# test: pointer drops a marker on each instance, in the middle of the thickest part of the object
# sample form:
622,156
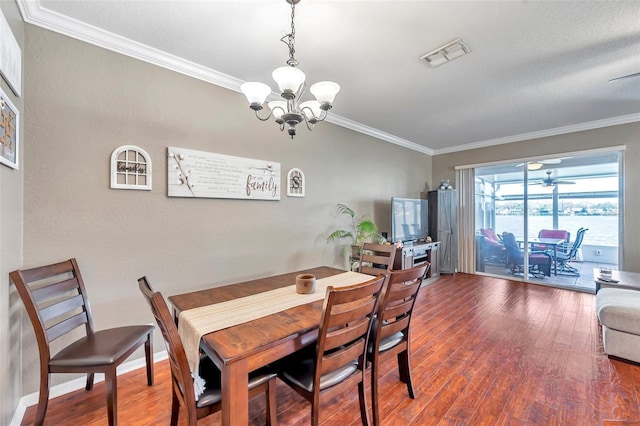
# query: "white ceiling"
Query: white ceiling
536,68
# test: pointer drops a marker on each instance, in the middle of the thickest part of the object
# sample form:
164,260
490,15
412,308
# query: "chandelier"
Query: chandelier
291,82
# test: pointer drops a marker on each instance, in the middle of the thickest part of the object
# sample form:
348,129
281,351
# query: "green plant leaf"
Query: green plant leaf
342,209
339,234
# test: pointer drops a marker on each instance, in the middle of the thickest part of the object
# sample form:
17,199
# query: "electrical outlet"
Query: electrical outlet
598,252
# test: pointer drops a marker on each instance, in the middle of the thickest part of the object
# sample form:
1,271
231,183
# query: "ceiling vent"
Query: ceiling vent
446,53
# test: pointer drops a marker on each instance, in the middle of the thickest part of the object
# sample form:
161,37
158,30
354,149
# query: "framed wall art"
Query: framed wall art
10,57
203,174
9,132
130,168
295,183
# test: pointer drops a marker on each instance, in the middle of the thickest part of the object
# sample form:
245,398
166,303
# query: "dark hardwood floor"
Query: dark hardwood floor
486,351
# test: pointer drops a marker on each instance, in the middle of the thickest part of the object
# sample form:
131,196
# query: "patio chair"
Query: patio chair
563,258
491,247
539,261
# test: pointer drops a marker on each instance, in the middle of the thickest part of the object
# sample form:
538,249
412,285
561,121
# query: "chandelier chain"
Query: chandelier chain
290,39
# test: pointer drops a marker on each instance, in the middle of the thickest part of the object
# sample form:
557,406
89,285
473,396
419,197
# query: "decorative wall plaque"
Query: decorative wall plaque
207,175
130,168
295,183
10,57
9,141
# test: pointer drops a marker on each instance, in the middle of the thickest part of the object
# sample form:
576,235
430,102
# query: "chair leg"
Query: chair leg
404,369
148,351
362,397
90,377
175,408
111,382
272,418
315,414
43,399
374,391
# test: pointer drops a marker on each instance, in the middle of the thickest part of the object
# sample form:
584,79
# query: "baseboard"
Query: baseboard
79,383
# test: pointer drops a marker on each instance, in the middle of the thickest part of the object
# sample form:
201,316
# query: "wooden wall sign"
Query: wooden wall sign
10,57
130,168
207,175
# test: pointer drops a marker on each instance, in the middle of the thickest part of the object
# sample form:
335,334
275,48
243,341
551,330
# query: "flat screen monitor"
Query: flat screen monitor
408,219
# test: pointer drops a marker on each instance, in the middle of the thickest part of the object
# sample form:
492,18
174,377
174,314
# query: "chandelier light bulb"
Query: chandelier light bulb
256,93
325,92
289,79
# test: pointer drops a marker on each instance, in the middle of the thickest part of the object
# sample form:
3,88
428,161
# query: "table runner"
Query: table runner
195,323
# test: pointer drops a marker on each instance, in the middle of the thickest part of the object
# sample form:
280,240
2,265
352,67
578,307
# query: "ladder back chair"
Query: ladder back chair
376,258
390,329
337,362
56,301
183,393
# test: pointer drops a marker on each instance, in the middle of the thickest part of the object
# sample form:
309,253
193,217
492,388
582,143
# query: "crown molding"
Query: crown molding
597,124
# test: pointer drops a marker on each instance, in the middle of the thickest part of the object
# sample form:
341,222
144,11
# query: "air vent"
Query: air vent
446,53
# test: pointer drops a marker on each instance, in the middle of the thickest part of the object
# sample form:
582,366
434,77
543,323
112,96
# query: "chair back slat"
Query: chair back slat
66,326
394,327
354,312
347,355
48,291
62,309
341,336
399,309
47,271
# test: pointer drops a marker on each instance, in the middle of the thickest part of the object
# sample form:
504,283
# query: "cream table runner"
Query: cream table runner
195,323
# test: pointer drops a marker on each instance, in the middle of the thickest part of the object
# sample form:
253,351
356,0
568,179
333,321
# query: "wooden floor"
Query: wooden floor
486,351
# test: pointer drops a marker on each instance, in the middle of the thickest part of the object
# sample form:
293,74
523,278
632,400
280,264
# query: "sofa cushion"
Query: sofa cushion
619,309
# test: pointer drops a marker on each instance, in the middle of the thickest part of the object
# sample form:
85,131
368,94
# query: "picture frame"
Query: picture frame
296,183
9,132
131,168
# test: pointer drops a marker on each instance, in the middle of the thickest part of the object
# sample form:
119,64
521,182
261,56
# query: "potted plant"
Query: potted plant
362,229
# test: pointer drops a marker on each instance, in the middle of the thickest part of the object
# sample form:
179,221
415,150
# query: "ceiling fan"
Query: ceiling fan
549,182
538,164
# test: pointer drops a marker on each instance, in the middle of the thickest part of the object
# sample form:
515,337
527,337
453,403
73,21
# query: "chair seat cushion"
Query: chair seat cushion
213,381
390,341
103,347
300,372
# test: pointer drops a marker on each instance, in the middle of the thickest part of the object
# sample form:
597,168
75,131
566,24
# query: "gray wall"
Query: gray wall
626,134
11,182
82,102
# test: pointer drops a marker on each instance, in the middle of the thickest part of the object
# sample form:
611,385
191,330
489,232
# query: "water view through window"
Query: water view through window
573,198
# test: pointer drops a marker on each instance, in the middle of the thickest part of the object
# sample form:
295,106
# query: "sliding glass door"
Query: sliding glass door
550,220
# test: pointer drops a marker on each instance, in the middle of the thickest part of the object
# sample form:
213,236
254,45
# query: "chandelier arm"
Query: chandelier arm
266,118
310,124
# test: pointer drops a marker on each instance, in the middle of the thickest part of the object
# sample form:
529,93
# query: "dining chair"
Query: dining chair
337,362
183,393
376,258
56,301
390,332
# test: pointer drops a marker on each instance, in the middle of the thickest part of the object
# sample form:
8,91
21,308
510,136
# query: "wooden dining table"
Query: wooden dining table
242,348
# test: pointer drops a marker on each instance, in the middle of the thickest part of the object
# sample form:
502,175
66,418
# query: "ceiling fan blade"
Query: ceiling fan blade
637,74
563,182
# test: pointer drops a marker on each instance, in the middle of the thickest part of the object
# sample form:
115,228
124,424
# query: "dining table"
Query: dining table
241,348
553,243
